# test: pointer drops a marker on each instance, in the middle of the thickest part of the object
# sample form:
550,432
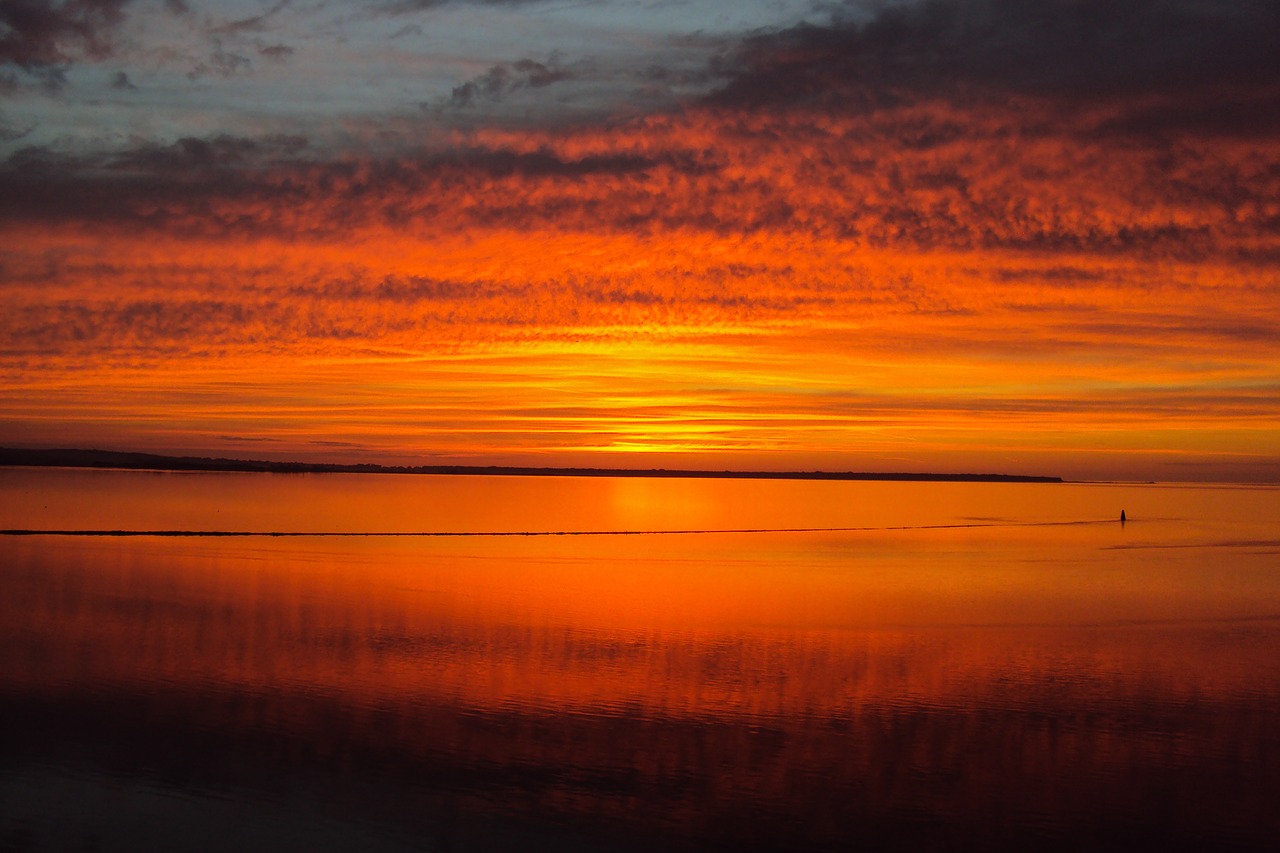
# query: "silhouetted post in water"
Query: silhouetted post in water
1122,516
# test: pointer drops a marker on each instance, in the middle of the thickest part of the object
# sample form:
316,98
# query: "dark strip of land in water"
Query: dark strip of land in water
156,462
429,534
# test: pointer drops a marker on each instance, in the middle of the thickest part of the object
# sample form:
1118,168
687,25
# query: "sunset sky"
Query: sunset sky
1001,236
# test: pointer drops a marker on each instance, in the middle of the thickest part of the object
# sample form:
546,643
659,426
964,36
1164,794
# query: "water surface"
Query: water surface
939,665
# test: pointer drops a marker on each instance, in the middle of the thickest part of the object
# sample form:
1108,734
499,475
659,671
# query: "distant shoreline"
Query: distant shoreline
67,458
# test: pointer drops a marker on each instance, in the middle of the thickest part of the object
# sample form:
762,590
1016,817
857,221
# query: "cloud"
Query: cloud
946,212
38,34
399,7
121,81
192,155
505,78
1246,112
1072,49
1028,199
252,24
276,52
12,133
926,175
52,80
408,30
221,63
380,287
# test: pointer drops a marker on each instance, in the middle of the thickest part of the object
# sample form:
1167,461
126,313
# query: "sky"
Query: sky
950,236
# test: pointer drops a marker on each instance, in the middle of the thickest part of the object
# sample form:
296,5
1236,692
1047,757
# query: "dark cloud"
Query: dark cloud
503,79
1243,113
276,52
221,63
55,326
52,79
38,34
497,163
149,185
929,174
253,24
669,77
537,75
1082,49
398,7
121,81
226,183
194,155
407,30
12,133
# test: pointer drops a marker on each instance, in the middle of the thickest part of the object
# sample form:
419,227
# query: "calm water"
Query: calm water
967,666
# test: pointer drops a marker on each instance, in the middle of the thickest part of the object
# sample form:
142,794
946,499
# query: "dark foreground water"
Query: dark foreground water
962,666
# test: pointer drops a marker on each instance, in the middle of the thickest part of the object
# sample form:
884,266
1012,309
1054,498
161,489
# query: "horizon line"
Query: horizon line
135,461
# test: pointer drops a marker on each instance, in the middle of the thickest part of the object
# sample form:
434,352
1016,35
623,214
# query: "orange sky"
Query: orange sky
828,259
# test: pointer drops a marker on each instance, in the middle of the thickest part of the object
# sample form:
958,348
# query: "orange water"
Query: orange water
986,664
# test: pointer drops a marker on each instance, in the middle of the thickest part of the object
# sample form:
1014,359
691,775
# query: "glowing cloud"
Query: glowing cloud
880,243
